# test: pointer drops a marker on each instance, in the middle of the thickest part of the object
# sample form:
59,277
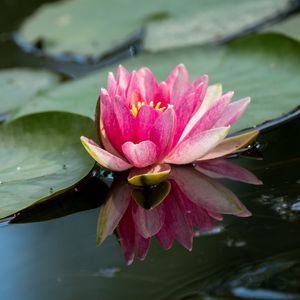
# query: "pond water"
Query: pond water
249,258
50,252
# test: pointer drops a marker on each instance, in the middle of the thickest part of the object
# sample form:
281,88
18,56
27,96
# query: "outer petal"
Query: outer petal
178,81
123,79
113,210
111,85
207,193
232,112
103,157
213,93
162,132
223,168
232,144
140,155
196,145
210,117
111,135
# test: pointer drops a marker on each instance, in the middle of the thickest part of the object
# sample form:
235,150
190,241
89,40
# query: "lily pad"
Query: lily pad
19,85
256,66
208,21
289,27
41,156
82,27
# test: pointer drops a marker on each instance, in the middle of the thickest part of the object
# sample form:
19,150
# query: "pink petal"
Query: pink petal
144,122
103,157
178,81
184,112
188,104
123,79
196,145
162,132
148,222
207,193
111,85
132,92
224,168
140,155
163,94
232,112
210,117
232,144
106,142
113,210
125,120
108,122
146,84
213,93
200,86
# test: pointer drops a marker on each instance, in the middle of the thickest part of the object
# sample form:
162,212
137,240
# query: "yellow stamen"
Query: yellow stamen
134,110
157,106
137,106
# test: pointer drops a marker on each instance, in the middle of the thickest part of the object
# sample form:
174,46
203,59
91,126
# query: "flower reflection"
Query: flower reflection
189,200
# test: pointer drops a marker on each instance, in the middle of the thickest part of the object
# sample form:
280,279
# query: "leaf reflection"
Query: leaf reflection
187,202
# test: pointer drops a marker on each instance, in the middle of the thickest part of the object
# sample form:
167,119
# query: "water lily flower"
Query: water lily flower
170,211
144,123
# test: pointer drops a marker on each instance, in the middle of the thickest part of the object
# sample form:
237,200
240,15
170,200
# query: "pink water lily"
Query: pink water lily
143,122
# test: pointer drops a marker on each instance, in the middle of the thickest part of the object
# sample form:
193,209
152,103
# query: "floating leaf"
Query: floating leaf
19,85
256,66
288,27
208,21
41,156
82,27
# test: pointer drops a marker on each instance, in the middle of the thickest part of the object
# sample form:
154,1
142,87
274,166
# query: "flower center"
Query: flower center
137,106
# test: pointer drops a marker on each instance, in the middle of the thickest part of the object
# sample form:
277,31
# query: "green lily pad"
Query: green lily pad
41,156
82,27
256,66
208,21
289,27
19,85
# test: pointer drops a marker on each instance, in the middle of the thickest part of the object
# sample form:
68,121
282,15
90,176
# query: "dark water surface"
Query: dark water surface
250,258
